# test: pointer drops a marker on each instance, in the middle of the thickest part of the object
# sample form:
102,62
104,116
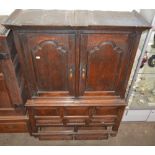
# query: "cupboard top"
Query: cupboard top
75,18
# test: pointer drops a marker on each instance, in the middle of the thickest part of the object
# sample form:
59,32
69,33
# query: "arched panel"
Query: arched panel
50,64
101,74
102,61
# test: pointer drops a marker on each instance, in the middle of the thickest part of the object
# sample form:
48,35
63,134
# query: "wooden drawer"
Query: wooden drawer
75,111
91,133
55,130
78,121
71,116
46,111
55,133
13,124
75,121
69,133
10,127
49,121
103,121
56,137
56,111
106,111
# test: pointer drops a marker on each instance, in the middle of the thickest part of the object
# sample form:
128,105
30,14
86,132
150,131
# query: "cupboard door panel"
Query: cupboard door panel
103,59
8,65
51,60
50,65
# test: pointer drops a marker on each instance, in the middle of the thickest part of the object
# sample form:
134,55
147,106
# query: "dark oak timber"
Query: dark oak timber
12,98
73,68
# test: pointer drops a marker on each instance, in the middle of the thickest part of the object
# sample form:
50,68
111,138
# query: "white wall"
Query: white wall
7,6
148,14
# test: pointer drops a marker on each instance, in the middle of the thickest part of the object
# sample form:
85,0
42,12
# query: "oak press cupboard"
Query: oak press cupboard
63,74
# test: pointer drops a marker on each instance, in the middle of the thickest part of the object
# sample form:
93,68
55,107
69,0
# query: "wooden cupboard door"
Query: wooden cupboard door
9,89
51,62
9,86
104,60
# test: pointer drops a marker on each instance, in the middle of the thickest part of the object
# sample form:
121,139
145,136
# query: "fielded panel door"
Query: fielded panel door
50,61
104,62
9,86
9,91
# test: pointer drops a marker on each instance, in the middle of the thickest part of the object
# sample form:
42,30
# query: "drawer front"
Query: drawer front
69,133
46,111
56,137
12,127
91,137
49,122
106,111
103,120
75,111
75,116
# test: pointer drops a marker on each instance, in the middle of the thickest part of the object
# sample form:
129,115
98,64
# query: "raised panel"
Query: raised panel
105,58
103,66
50,65
106,111
50,60
76,111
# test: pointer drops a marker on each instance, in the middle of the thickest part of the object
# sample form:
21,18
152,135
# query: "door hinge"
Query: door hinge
4,56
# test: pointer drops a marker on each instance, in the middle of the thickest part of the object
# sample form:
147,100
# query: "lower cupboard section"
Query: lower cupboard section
57,121
50,120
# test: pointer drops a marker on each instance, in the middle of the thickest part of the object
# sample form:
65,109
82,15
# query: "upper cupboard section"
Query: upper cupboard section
76,63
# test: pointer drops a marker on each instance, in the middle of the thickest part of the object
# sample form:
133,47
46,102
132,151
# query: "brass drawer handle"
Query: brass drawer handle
83,73
70,73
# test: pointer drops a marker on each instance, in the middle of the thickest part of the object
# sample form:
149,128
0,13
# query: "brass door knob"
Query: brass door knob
70,73
83,73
